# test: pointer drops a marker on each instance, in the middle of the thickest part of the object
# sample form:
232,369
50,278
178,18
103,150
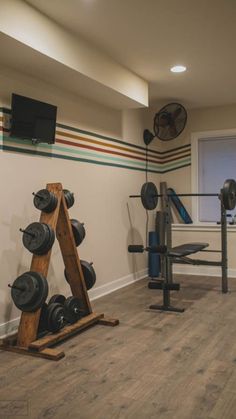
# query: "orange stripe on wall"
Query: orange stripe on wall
77,137
105,151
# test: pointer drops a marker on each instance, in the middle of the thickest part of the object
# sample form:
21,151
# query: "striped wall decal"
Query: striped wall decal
85,146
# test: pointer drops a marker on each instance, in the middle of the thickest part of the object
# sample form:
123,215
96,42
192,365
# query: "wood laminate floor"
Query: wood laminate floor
153,365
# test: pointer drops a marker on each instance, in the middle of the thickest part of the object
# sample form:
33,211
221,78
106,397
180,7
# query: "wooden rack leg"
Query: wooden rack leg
27,342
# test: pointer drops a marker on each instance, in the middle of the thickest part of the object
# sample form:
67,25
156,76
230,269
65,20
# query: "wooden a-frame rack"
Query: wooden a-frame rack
26,341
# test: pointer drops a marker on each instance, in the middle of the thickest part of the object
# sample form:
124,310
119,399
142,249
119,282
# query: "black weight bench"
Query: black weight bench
176,253
187,249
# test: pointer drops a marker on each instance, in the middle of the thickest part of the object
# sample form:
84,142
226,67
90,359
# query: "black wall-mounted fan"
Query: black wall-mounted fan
169,122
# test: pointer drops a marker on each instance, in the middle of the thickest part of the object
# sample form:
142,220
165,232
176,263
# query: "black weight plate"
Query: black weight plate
40,295
69,197
43,321
56,317
45,201
29,293
229,194
78,231
51,238
37,238
43,292
57,298
149,196
43,248
73,309
89,274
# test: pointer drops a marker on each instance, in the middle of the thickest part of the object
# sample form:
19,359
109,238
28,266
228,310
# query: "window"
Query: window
213,161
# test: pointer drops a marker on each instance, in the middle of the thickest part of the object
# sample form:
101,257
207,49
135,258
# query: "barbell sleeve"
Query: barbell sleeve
135,248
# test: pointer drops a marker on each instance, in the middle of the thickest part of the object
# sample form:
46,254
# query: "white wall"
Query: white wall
111,219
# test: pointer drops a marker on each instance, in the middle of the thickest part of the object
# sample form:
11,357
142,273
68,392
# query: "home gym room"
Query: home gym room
118,218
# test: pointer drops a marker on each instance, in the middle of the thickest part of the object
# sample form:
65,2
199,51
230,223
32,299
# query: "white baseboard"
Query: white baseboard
10,327
201,270
117,284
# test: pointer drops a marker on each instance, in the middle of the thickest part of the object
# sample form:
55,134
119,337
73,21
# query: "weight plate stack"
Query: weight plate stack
38,238
29,291
229,194
149,196
45,201
88,272
69,197
56,317
73,309
78,231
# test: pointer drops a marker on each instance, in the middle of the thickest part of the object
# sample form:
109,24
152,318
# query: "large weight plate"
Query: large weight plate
51,240
149,196
40,239
43,292
78,231
28,293
45,201
229,194
34,293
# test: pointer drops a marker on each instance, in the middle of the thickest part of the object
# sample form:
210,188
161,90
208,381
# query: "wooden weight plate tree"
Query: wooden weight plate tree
26,341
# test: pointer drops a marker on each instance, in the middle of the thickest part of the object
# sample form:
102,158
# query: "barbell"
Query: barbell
149,195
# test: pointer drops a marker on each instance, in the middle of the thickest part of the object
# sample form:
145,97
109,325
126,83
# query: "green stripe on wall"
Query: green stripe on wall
103,137
132,162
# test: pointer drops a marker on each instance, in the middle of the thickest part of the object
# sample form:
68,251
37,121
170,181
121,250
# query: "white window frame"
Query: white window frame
195,137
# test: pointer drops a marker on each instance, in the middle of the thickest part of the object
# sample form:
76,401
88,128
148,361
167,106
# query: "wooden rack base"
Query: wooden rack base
41,347
26,340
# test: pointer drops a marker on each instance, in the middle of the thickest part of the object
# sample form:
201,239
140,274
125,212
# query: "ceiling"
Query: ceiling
150,36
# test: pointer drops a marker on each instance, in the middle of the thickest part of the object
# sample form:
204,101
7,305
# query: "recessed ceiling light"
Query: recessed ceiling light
178,69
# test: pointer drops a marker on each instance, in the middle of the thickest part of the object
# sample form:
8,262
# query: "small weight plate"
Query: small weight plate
57,298
69,197
78,231
89,274
149,196
73,309
28,293
56,317
45,201
229,194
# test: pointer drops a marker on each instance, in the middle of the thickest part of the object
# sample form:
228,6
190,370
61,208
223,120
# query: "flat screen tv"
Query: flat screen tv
33,120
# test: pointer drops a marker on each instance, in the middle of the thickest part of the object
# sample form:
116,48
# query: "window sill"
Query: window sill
202,227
